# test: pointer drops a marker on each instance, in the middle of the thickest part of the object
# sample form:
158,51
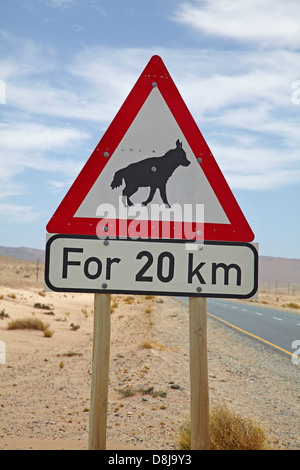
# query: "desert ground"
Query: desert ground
45,381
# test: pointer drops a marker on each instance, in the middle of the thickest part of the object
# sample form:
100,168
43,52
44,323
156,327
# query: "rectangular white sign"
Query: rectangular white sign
77,263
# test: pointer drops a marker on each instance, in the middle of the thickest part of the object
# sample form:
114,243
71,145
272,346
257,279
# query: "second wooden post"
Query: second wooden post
100,373
199,374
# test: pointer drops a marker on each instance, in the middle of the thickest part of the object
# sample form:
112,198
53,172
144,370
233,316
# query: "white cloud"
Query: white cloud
58,3
255,91
90,87
234,77
19,214
26,146
271,22
232,95
58,186
77,28
24,58
27,137
46,99
252,167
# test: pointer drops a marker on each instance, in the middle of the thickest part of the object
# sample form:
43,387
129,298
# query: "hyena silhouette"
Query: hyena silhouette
153,172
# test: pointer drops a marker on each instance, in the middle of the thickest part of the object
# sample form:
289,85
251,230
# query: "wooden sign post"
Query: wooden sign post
75,264
199,400
100,373
199,374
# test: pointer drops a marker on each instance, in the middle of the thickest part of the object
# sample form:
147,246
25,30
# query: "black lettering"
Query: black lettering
140,275
66,261
109,263
90,260
160,261
226,269
196,271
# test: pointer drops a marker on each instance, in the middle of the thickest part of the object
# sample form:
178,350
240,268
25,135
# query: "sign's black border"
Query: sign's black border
149,292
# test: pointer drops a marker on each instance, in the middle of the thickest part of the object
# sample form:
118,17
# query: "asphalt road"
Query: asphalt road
277,328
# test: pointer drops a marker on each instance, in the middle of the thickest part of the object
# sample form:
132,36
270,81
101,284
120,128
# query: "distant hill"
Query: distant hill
22,252
282,270
271,269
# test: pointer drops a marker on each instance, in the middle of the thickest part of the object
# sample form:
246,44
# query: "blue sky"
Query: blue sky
66,67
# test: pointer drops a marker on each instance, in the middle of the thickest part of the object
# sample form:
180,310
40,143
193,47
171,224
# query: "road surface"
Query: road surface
277,328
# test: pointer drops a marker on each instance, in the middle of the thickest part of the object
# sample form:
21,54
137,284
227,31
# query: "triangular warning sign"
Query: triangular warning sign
152,174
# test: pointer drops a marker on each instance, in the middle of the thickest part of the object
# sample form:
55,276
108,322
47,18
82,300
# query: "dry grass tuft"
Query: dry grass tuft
131,391
228,432
48,333
149,345
292,305
3,314
30,323
12,296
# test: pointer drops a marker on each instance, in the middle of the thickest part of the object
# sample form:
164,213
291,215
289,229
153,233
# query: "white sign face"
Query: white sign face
143,141
77,263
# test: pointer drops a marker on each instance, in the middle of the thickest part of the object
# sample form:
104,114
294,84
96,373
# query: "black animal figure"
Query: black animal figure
153,172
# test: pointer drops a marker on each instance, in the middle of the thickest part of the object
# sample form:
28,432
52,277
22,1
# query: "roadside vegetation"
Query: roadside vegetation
228,431
30,323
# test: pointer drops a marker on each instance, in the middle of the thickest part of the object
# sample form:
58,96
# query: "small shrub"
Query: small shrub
12,296
154,393
184,440
49,313
131,391
293,305
127,392
148,345
42,306
74,327
71,354
3,314
228,432
28,323
48,333
85,312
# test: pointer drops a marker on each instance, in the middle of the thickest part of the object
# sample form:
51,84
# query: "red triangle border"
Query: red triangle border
63,220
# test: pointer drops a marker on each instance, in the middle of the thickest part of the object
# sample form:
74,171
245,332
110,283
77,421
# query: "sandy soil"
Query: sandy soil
45,381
